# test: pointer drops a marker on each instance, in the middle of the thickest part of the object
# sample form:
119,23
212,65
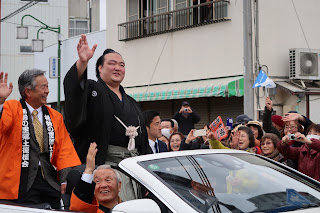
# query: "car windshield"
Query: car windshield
234,183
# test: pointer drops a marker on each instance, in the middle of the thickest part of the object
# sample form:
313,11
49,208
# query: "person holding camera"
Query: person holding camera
186,118
307,155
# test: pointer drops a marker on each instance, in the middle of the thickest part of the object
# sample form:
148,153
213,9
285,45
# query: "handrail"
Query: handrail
174,11
193,16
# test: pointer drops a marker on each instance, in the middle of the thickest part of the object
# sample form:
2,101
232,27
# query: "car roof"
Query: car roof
184,153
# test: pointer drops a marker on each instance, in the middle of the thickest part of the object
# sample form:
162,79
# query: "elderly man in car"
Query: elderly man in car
98,190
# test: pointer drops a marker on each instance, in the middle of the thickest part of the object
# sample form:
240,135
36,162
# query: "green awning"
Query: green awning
221,87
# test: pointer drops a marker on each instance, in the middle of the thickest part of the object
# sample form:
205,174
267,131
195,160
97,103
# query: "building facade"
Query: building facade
173,46
16,54
73,16
83,16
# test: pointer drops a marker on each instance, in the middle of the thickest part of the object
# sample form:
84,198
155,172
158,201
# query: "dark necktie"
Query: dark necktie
156,147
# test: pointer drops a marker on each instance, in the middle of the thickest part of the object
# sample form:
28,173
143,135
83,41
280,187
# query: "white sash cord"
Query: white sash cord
132,132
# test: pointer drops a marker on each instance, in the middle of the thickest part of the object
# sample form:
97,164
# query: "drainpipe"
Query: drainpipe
90,15
257,63
248,103
307,106
297,107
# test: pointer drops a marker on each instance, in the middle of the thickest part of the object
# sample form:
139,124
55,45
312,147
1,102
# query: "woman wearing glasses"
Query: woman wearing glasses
308,154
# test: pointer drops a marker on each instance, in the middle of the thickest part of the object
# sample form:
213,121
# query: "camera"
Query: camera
185,109
292,137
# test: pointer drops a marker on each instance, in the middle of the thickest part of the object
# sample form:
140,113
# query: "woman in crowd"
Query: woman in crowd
256,128
307,155
245,143
175,141
269,149
192,142
292,127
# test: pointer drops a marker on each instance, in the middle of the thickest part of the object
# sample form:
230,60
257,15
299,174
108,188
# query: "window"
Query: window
233,182
78,27
25,49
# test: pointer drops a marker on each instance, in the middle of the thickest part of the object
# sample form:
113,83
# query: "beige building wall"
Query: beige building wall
279,31
210,51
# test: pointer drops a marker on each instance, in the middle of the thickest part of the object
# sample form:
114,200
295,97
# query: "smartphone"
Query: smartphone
199,132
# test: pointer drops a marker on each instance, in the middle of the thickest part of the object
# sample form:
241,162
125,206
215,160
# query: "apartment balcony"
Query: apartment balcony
195,16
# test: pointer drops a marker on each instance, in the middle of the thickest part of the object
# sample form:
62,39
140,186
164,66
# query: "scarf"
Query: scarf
275,155
26,125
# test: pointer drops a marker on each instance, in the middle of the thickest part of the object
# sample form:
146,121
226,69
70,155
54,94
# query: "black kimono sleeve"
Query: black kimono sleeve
75,103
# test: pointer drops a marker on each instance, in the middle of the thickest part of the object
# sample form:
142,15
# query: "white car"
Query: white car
220,181
213,181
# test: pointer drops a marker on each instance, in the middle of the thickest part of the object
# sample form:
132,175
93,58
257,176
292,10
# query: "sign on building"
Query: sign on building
53,67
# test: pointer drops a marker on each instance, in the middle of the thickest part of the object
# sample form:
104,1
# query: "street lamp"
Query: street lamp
37,44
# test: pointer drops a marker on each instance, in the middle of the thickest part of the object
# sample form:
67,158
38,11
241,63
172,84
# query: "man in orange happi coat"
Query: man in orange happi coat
98,190
35,147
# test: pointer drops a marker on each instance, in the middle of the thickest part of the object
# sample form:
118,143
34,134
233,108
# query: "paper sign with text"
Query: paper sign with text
218,128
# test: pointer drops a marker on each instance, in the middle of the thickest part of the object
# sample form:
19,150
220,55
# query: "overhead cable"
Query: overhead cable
300,25
30,4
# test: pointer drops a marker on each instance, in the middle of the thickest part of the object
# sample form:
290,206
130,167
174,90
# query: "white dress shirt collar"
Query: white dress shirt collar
40,113
152,145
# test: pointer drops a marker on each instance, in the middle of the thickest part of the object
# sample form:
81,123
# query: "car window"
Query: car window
234,183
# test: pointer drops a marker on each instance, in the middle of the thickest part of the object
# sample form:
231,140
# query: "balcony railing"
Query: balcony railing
198,15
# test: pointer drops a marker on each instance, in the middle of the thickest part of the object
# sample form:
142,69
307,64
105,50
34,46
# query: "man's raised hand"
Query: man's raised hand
84,51
91,156
5,90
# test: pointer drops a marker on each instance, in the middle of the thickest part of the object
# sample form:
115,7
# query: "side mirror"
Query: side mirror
137,206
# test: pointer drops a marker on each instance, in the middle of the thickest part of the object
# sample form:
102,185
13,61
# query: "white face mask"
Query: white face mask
165,132
313,136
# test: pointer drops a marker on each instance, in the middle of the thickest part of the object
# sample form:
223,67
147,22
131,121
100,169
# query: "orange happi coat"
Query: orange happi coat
76,204
63,156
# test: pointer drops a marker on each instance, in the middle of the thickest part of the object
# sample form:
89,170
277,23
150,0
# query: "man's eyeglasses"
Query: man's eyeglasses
291,127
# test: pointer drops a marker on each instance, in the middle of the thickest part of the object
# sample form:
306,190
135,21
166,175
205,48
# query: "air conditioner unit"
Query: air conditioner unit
304,64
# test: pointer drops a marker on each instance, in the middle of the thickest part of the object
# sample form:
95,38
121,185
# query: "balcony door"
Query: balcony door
182,17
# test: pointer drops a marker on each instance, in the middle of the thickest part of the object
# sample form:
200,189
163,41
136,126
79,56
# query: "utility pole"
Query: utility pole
248,104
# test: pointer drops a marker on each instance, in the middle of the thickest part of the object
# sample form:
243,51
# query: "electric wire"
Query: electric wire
28,5
300,25
26,25
155,68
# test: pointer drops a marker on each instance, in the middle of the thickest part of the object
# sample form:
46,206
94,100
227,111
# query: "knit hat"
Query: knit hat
277,119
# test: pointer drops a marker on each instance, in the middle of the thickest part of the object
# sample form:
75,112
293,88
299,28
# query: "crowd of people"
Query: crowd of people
292,139
107,125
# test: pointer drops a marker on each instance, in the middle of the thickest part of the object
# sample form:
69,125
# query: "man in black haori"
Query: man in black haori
100,111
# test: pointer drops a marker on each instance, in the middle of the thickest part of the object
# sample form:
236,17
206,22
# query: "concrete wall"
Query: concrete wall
279,31
314,108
